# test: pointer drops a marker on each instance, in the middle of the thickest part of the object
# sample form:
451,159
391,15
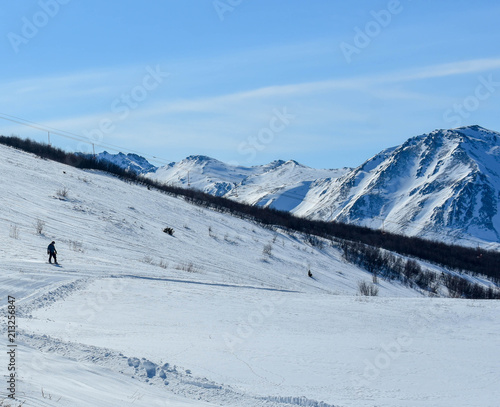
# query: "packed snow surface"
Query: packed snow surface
207,317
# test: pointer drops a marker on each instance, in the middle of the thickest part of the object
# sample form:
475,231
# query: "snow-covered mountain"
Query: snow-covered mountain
129,161
443,185
280,184
206,174
282,187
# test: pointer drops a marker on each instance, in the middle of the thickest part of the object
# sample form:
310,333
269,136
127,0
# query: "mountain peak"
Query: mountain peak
444,183
478,132
129,161
473,127
200,160
294,163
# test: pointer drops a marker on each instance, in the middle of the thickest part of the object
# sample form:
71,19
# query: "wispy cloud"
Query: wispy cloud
224,119
91,84
449,69
108,82
367,83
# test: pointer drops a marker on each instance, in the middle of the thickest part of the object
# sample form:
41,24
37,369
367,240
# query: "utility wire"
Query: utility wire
77,137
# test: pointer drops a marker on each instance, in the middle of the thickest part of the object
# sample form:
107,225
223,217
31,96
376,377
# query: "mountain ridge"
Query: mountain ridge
439,182
130,161
440,185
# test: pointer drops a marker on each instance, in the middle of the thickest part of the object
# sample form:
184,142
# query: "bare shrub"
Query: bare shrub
163,264
229,240
45,396
315,242
211,232
62,193
14,232
169,231
189,267
76,246
148,260
366,289
39,225
268,250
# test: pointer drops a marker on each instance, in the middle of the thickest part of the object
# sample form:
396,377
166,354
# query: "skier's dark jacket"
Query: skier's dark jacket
51,248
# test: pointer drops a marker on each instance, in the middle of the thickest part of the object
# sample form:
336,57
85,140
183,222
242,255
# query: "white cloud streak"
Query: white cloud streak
361,83
243,107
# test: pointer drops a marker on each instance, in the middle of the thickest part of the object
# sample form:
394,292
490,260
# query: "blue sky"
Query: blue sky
327,83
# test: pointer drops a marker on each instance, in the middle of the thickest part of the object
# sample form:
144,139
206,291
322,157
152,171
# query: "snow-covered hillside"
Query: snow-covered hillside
221,313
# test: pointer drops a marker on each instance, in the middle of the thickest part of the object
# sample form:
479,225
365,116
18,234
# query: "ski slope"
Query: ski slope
135,317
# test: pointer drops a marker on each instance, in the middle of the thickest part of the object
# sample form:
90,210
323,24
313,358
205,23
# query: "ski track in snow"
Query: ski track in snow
177,379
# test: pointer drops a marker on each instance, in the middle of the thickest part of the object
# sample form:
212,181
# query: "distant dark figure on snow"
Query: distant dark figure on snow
309,273
52,252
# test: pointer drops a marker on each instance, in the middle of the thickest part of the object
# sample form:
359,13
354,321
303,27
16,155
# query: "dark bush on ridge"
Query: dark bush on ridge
168,231
409,272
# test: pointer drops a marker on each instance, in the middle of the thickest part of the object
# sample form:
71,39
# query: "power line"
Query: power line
77,137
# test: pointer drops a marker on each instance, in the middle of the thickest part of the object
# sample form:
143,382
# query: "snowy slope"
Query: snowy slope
137,317
444,185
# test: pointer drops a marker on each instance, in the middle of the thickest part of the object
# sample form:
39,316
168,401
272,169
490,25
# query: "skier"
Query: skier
52,252
309,273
